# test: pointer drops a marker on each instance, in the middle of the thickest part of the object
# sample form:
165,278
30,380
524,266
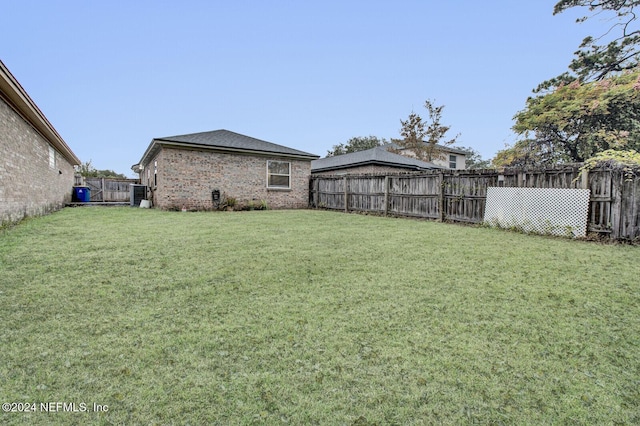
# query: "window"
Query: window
155,173
52,157
278,174
452,161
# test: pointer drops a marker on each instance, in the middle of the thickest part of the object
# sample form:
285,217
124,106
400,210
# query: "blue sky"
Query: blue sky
112,75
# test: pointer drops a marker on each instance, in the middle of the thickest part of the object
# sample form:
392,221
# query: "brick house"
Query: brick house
36,165
374,160
184,171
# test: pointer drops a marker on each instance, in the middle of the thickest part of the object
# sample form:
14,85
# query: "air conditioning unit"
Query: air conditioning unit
137,194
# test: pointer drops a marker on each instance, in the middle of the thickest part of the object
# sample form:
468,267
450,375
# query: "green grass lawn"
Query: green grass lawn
313,317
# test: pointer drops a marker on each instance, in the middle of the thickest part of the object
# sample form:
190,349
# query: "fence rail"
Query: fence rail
460,196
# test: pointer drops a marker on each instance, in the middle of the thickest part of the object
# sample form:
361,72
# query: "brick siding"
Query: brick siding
28,186
187,177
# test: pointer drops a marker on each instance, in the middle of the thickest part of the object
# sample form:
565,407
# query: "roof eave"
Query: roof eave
18,98
371,163
156,143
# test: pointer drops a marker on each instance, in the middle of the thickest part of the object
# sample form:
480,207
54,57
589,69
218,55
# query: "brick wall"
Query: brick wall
28,185
186,178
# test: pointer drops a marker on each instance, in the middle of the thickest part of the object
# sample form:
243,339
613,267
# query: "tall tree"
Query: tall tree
576,121
424,139
616,50
473,159
592,107
358,143
86,169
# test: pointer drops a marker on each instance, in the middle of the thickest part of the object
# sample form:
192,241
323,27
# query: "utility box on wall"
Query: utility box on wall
215,198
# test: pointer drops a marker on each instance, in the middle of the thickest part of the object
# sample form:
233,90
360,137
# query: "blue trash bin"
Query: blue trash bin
81,194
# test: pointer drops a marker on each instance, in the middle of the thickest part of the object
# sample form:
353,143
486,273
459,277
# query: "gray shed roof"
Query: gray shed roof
374,156
225,140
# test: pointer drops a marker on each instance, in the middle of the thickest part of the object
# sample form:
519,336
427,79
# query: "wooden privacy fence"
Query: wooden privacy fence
460,196
109,190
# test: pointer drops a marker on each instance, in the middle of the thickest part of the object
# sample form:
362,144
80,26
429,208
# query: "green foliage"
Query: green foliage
576,121
615,158
473,159
227,203
252,205
603,56
595,105
628,161
359,143
86,169
424,138
528,153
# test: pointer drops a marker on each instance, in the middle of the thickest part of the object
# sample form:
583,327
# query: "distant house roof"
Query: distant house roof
15,95
448,149
374,156
226,141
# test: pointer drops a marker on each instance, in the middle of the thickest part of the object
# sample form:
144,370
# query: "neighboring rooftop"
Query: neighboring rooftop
225,140
443,148
374,156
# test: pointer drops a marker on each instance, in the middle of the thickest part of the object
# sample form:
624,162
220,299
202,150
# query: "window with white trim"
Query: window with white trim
452,161
278,174
52,157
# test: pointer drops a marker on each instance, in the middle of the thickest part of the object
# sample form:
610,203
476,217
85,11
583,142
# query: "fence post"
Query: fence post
316,192
346,195
441,198
585,179
616,202
386,195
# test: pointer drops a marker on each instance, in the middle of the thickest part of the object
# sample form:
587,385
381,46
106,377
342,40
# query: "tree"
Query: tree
601,57
358,143
473,159
576,121
590,108
424,139
86,169
526,153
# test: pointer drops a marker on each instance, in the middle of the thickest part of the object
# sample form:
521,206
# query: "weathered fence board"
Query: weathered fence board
109,190
460,196
414,196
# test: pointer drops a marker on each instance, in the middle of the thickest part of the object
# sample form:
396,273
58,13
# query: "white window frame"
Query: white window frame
269,174
52,157
453,161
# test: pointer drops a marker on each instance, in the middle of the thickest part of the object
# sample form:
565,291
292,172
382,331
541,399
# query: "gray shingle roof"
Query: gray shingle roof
235,141
223,140
378,155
